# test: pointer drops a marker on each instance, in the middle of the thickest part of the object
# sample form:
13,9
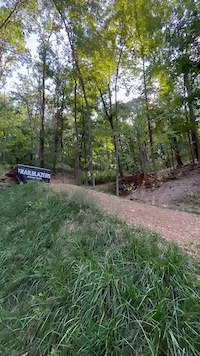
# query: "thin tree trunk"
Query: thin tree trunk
85,169
85,152
190,148
123,155
188,132
4,148
146,95
194,143
116,149
61,138
177,153
84,95
141,156
168,155
55,151
89,136
195,136
148,120
116,124
29,113
77,138
172,158
41,151
131,146
110,119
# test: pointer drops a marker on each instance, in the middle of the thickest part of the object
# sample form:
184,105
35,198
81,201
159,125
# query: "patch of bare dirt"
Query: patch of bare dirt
171,191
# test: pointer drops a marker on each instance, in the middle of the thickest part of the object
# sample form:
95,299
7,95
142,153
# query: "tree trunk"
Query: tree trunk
119,161
116,125
194,143
4,148
172,155
85,151
122,151
195,136
141,156
55,151
84,95
85,168
110,119
168,155
148,120
190,148
41,151
61,138
29,113
89,135
131,145
77,138
177,153
117,156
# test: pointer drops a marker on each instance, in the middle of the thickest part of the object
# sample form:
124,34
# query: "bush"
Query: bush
109,175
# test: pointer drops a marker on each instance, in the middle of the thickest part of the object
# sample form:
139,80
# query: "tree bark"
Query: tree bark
41,151
141,155
77,138
190,148
146,94
85,153
58,137
116,123
195,136
148,119
84,95
172,155
110,119
55,149
177,153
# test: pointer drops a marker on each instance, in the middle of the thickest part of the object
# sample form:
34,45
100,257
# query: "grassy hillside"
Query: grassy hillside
75,282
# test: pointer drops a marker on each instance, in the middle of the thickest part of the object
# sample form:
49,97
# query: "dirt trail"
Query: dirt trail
184,228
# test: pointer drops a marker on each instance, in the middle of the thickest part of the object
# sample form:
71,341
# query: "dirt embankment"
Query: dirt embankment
169,192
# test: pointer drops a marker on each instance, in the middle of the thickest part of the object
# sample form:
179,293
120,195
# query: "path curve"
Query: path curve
182,227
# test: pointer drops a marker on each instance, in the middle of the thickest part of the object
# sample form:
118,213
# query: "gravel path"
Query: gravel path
184,228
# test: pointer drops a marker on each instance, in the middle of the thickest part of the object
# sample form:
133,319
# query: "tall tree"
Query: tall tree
71,22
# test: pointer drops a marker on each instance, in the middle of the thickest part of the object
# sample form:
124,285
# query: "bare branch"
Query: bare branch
18,4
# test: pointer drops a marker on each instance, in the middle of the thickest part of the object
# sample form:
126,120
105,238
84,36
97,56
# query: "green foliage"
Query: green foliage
74,281
105,176
149,49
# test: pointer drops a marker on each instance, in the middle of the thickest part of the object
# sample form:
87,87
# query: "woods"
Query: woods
114,86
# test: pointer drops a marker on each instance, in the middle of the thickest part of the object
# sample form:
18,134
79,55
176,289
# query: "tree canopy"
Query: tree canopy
68,110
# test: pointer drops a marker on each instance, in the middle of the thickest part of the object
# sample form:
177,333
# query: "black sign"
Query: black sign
27,173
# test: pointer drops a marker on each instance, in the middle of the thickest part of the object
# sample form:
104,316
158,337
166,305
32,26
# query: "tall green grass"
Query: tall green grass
75,282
